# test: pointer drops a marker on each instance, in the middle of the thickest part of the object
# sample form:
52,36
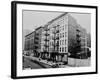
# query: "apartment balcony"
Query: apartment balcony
78,45
83,38
36,42
54,32
37,38
46,29
46,34
53,38
46,39
58,25
57,44
77,30
37,34
46,45
57,31
57,37
36,47
78,35
53,44
78,40
57,49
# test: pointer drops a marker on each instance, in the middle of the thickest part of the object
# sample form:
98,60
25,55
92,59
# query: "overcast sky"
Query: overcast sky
34,19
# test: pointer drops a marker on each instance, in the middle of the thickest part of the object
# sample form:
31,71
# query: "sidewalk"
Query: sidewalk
50,63
72,62
43,61
79,62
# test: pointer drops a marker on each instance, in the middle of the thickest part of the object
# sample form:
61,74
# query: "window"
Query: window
65,49
60,35
60,49
65,42
57,28
63,34
60,42
63,27
60,28
52,43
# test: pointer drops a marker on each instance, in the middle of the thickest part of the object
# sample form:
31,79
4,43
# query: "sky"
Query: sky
83,19
34,19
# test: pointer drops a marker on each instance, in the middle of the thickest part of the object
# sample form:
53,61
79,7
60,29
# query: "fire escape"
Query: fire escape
55,42
36,45
78,38
46,45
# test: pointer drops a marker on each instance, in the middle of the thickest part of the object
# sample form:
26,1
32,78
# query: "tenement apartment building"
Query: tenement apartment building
33,42
29,43
57,39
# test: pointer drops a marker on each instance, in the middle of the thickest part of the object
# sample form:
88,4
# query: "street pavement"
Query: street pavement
36,63
33,64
